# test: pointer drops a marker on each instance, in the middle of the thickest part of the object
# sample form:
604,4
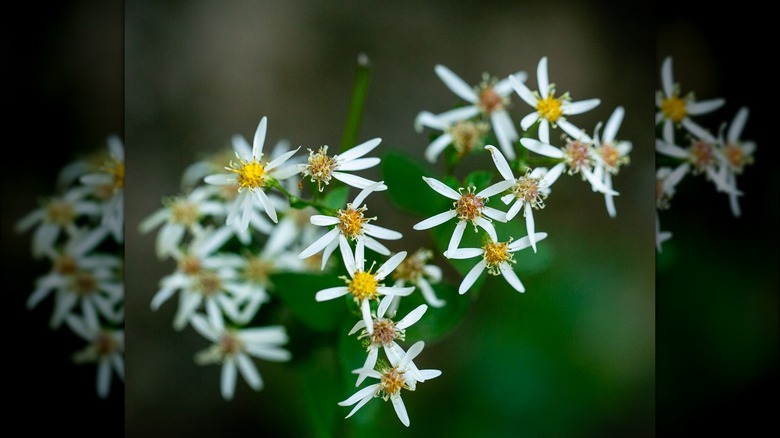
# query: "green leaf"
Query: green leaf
297,291
406,188
357,103
336,198
479,179
437,322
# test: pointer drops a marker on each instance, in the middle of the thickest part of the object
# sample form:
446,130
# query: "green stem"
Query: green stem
357,104
298,200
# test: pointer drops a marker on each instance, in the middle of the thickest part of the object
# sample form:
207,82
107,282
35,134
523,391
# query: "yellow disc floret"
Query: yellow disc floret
363,286
469,206
250,174
320,167
351,221
674,108
391,383
495,254
550,107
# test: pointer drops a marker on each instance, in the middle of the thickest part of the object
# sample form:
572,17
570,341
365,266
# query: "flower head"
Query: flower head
321,167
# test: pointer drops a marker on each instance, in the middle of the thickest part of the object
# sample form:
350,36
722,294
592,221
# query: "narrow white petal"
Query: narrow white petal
363,394
495,188
390,265
524,92
464,253
530,225
435,220
319,244
494,214
429,294
471,277
540,148
442,188
202,326
412,317
359,150
501,164
666,77
355,181
228,379
542,78
267,205
323,221
504,86
428,119
698,131
457,235
456,84
439,144
505,132
514,209
458,114
525,242
241,147
395,291
580,107
361,197
352,262
374,245
400,409
737,125
359,325
511,277
278,161
529,120
704,106
259,139
369,364
249,371
331,293
613,124
103,378
573,131
488,227
326,253
365,310
385,303
381,232
544,130
360,164
670,149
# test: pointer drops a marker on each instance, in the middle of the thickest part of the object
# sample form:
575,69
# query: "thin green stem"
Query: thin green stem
357,104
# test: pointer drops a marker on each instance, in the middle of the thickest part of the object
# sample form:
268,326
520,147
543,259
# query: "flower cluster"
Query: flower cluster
236,228
522,184
79,230
687,148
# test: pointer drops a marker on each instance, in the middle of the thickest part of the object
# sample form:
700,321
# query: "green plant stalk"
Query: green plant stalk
357,103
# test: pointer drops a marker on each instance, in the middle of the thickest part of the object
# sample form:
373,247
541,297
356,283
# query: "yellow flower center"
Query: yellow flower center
469,206
527,189
737,158
320,167
230,344
496,253
105,344
467,135
411,268
674,108
119,175
576,154
184,212
549,108
385,332
392,382
209,283
257,270
190,265
701,155
251,174
66,265
363,286
59,212
84,283
351,221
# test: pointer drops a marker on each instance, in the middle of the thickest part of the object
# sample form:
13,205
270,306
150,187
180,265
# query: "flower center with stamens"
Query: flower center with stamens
66,265
662,198
84,283
467,135
495,254
576,155
184,212
385,332
391,382
549,108
674,108
611,157
209,283
363,286
527,188
411,268
737,158
489,100
320,167
251,174
230,344
105,344
257,270
701,155
351,221
190,265
59,212
469,206
118,170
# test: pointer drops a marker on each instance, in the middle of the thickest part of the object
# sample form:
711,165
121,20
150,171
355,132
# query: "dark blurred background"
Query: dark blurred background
573,356
717,279
63,68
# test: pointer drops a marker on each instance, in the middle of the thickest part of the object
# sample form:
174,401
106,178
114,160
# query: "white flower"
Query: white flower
385,333
463,135
549,110
320,167
56,216
233,349
364,285
251,176
468,207
529,190
351,223
737,154
610,154
415,270
578,156
490,99
676,110
702,156
109,184
180,215
660,236
497,258
666,181
391,381
79,276
106,347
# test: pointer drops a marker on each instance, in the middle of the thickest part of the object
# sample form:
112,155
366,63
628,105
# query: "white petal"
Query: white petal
400,409
494,214
488,227
666,77
439,144
530,226
697,130
670,149
352,262
464,253
435,220
323,221
457,235
364,394
704,106
542,79
737,125
412,317
504,86
544,130
355,181
426,118
541,148
522,90
278,161
267,205
390,265
374,245
525,242
613,124
381,232
241,147
495,189
505,132
580,107
395,291
429,294
456,84
228,378
259,139
458,114
573,131
202,326
514,209
359,150
384,304
374,186
511,277
442,188
501,164
359,164
320,243
103,378
529,120
249,371
369,364
331,293
471,277
365,310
